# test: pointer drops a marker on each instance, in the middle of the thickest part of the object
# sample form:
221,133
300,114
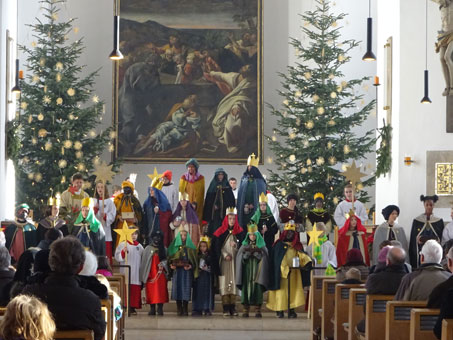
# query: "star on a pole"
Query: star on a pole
154,174
125,233
353,174
314,235
103,172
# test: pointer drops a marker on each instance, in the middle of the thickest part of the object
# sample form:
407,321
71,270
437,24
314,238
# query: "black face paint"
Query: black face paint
127,190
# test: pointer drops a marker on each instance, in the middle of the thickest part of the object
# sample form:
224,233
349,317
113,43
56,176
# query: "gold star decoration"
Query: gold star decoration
95,99
154,175
353,174
314,235
103,172
125,233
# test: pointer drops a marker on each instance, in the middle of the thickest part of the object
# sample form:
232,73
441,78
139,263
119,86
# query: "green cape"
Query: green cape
259,240
257,215
177,242
91,219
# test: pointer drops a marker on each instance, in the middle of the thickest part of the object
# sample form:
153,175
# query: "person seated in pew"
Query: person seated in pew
446,246
381,257
352,277
446,312
6,275
386,281
407,265
72,306
87,278
354,259
438,294
417,286
27,318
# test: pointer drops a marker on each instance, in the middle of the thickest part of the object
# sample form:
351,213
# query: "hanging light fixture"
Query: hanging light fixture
16,88
425,99
369,55
116,53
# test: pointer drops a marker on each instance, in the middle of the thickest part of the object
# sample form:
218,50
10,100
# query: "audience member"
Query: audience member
381,260
354,259
72,306
50,236
352,276
104,266
439,292
6,275
24,270
417,286
87,278
446,312
27,318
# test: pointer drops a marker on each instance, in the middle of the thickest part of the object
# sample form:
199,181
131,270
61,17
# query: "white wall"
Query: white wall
419,128
281,20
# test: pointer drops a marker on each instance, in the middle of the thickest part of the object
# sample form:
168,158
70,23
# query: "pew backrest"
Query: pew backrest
328,300
74,335
398,319
107,309
342,293
422,323
447,329
376,306
357,299
316,302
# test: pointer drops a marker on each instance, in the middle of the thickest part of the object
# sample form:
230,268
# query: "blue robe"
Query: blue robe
256,180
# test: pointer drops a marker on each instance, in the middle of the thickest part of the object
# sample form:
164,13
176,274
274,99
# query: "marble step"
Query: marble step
217,322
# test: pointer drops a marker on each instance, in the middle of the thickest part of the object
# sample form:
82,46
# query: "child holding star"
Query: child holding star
323,252
130,253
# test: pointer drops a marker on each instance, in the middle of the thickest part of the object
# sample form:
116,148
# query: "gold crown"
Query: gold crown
86,202
54,201
183,196
318,195
157,183
350,213
231,211
205,239
263,198
291,225
252,160
252,228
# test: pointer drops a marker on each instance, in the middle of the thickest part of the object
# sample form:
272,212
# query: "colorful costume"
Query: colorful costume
182,255
252,268
107,218
252,185
266,219
284,251
344,207
203,287
152,273
128,208
287,215
188,216
226,242
170,190
194,186
348,239
218,197
134,257
71,203
318,215
161,219
21,234
51,222
89,230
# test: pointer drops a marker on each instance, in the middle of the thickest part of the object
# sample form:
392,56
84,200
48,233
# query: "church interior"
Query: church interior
333,118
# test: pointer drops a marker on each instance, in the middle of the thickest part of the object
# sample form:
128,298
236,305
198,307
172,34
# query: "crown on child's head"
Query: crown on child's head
157,183
263,198
318,195
231,211
291,225
86,202
252,228
206,239
252,160
183,196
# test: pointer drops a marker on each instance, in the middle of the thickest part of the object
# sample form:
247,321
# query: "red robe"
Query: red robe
157,291
345,240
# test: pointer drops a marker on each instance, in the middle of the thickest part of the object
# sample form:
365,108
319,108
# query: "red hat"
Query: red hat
167,174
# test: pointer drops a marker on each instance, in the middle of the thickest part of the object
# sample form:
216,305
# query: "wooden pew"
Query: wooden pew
316,302
118,284
376,306
342,292
357,299
2,311
447,329
107,309
327,305
76,334
422,323
398,317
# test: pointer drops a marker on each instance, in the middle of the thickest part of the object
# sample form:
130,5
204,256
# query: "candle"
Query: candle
376,80
21,74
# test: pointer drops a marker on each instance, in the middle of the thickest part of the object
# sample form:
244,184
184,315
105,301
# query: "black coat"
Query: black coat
72,307
439,293
6,278
446,312
386,281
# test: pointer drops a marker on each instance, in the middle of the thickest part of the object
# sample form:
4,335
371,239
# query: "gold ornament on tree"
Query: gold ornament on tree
59,66
62,163
40,117
71,92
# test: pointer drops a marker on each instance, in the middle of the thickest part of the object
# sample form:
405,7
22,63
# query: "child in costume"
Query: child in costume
105,212
318,214
226,242
131,254
282,255
152,273
185,214
252,269
265,220
203,290
324,253
51,220
352,236
183,262
88,229
344,207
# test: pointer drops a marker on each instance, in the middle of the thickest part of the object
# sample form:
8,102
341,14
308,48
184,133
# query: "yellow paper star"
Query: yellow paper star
314,235
125,233
353,174
154,174
103,172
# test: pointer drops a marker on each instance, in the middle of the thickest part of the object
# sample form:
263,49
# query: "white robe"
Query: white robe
110,212
134,257
272,202
344,207
328,254
171,192
447,234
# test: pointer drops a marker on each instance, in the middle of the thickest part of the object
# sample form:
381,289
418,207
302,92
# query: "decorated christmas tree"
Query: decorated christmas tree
314,139
55,128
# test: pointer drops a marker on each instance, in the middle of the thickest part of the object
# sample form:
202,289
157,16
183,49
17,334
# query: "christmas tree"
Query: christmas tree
55,127
314,137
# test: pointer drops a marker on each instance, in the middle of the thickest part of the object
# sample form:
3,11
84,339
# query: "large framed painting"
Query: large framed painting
191,82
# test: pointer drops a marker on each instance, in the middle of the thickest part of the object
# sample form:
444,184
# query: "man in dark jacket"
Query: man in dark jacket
73,307
6,276
440,291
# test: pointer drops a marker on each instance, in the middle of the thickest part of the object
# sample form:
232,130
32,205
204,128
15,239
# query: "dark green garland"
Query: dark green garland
384,153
